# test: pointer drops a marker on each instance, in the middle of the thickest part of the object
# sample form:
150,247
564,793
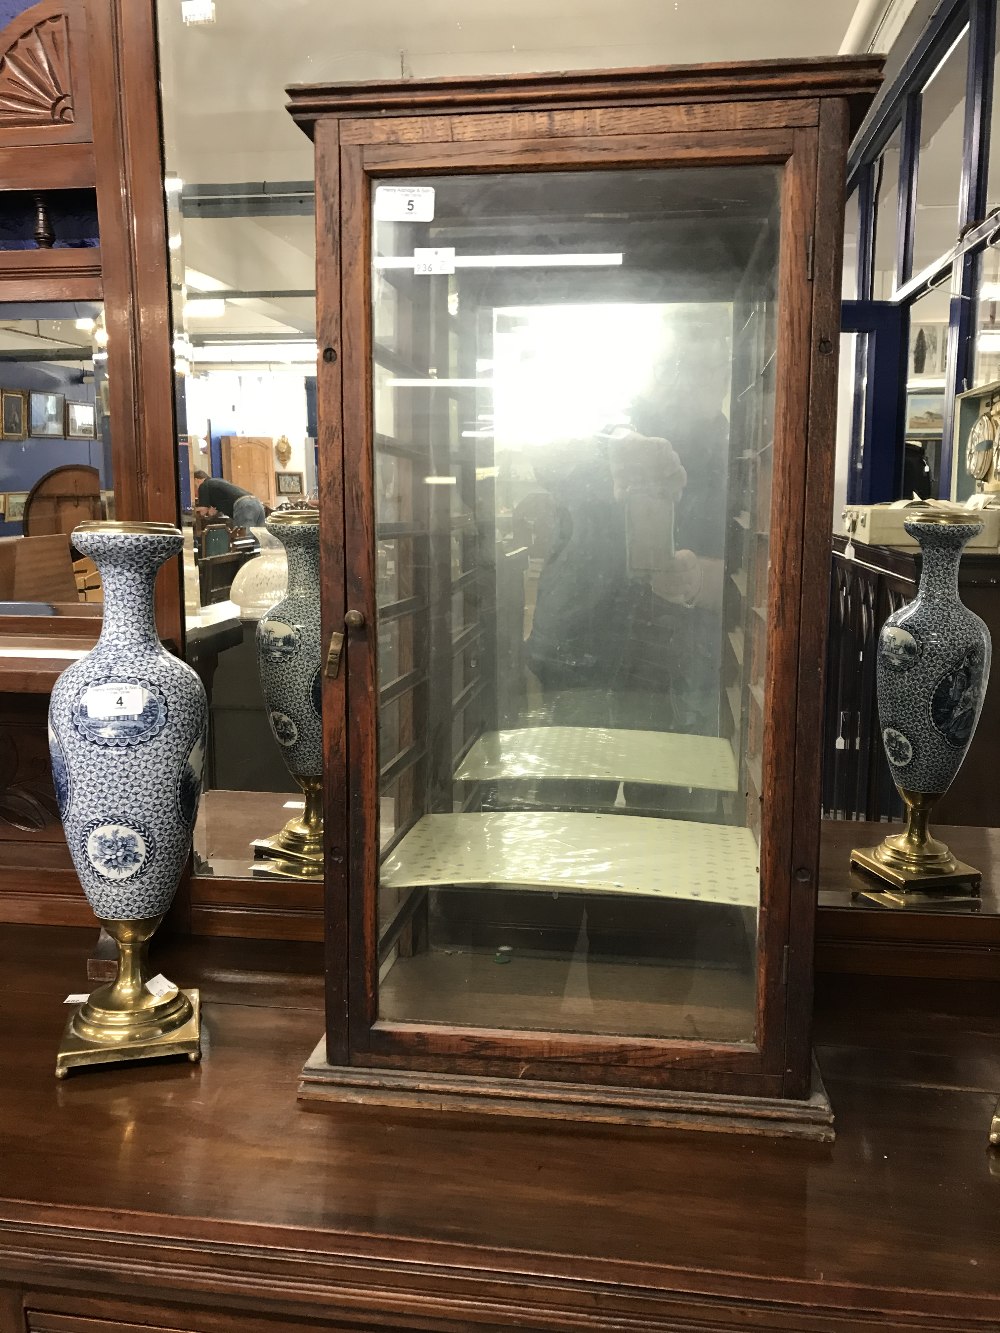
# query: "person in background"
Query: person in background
216,496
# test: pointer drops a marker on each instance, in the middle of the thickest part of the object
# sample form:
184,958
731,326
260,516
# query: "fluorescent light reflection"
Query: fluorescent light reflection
434,383
609,260
256,353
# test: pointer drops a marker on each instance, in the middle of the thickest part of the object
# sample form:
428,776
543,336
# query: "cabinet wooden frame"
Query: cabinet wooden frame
495,128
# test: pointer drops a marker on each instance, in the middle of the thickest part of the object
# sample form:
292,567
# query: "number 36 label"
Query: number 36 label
404,203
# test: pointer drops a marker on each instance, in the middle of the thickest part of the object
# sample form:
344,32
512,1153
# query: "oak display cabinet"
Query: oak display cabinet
576,390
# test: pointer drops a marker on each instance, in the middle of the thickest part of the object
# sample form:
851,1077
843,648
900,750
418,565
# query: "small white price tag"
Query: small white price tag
160,986
439,260
849,551
404,203
106,701
76,999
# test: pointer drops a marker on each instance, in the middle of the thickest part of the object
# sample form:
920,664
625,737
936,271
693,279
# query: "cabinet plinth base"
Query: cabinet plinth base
77,1051
811,1118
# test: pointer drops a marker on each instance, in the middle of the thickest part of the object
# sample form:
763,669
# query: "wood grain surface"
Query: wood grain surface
180,1189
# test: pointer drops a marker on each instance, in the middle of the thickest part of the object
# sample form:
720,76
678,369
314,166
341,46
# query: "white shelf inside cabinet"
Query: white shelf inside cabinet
602,754
579,853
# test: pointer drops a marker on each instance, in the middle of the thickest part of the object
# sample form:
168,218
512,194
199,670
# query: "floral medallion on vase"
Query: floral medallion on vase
127,727
933,665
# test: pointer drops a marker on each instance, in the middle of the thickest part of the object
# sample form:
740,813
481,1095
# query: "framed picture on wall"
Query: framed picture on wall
81,422
12,411
3,505
928,349
46,414
16,501
924,414
289,483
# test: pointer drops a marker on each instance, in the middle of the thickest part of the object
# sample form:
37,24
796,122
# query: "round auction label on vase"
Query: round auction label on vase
119,712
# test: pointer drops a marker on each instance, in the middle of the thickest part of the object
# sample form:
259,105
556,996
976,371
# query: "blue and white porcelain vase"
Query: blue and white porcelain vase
932,669
289,660
127,731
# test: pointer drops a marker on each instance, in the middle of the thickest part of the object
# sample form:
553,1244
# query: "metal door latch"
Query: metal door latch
352,620
333,654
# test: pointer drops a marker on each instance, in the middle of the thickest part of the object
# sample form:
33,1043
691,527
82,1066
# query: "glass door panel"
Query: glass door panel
573,407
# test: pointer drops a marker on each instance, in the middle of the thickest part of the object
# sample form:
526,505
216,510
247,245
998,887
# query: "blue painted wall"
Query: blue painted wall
9,10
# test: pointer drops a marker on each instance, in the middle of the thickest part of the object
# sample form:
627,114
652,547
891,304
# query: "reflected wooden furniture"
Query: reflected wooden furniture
216,574
63,499
864,590
88,580
114,1214
36,569
248,461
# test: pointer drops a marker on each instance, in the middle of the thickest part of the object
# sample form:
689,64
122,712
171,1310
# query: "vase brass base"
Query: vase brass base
909,881
297,851
951,900
913,863
276,862
173,1028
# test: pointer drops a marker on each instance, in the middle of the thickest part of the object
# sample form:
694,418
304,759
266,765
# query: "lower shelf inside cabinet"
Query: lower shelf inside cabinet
579,853
575,993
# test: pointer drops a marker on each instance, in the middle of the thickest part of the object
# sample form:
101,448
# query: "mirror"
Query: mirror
55,454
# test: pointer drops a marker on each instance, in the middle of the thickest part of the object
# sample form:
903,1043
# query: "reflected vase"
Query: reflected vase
289,661
127,734
932,669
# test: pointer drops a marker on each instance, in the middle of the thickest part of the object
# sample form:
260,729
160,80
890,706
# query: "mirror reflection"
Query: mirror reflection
242,267
55,454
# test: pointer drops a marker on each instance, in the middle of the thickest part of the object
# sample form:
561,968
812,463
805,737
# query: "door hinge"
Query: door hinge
784,966
809,258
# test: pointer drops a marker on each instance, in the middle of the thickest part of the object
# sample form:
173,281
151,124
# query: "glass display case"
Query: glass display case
576,400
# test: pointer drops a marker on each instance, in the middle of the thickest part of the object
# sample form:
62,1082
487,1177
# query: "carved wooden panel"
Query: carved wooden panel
44,80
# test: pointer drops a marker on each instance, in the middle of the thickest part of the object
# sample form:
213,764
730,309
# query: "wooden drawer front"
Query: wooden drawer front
140,1316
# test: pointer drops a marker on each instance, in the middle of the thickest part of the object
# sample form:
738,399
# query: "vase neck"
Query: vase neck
939,573
128,604
303,570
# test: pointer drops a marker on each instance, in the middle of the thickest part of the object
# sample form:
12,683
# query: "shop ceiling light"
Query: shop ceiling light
205,308
256,353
